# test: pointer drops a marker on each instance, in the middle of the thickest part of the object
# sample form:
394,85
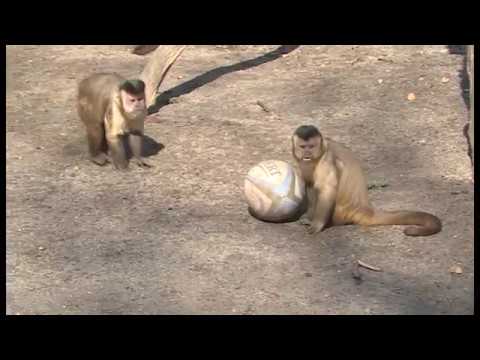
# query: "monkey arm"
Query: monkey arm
326,194
306,219
135,140
117,152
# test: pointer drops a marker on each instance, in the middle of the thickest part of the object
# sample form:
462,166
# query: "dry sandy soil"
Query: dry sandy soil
177,238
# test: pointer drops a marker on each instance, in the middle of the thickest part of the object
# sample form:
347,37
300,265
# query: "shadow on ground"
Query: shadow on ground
188,86
78,146
462,74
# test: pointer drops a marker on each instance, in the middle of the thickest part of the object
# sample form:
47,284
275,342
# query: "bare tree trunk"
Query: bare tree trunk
157,67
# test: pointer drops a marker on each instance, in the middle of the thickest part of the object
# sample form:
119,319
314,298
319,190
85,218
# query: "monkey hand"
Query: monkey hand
305,220
120,165
315,228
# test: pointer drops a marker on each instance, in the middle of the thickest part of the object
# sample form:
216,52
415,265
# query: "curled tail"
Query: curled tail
425,223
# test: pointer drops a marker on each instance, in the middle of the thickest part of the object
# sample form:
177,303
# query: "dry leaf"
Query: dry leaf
456,269
411,97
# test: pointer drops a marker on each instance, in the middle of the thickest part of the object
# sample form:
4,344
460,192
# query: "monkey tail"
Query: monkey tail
424,223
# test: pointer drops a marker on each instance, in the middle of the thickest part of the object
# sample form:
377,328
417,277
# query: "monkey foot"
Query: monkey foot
315,228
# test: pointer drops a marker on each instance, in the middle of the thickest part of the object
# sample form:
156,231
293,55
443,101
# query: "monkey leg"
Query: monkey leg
118,153
97,144
135,141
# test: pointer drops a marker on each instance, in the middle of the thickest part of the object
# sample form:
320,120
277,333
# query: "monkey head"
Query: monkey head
307,144
132,96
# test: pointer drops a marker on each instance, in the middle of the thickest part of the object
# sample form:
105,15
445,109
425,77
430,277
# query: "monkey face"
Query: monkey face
133,105
307,150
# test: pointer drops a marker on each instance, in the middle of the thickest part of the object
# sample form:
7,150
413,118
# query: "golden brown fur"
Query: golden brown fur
337,188
107,122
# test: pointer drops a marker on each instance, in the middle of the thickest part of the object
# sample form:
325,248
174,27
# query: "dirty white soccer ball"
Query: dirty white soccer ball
274,191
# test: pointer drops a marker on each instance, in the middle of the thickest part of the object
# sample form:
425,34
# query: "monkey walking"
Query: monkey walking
337,188
113,110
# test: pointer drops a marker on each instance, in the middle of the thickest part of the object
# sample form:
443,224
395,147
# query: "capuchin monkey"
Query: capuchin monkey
337,188
113,111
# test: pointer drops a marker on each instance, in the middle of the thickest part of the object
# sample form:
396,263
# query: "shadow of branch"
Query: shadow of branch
188,86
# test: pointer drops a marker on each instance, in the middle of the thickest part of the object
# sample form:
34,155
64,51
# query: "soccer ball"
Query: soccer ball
274,191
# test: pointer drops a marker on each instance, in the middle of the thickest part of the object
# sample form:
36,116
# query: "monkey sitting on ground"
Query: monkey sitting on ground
337,188
113,110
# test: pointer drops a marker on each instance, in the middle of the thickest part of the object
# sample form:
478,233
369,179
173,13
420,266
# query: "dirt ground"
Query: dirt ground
177,238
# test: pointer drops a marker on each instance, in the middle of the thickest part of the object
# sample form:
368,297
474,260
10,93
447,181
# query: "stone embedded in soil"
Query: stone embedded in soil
456,270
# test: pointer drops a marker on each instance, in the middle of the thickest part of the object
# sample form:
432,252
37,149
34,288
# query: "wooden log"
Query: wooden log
143,49
157,68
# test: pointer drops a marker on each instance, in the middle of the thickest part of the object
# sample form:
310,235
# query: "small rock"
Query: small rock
411,97
422,141
41,248
380,81
456,269
445,80
421,78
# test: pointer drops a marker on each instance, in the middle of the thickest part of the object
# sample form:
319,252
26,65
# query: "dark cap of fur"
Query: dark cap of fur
306,132
134,86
